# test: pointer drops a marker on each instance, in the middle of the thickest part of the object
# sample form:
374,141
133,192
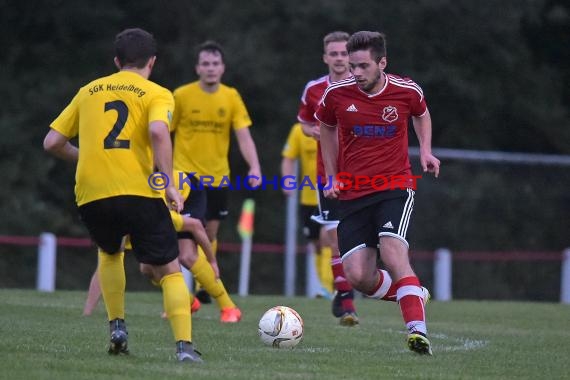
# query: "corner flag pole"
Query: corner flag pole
245,229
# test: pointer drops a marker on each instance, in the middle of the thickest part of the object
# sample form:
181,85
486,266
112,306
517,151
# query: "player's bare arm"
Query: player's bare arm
329,151
287,171
249,154
59,145
195,227
422,126
162,150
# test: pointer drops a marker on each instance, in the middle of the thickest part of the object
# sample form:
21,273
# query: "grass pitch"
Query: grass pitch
44,336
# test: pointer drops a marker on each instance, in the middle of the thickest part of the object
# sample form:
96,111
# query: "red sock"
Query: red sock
380,291
409,295
340,282
342,286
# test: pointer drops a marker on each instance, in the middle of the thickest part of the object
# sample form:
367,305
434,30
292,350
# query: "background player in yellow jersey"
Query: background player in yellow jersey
205,114
122,122
304,149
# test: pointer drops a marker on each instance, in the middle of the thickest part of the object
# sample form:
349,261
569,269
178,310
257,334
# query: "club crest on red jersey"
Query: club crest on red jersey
390,114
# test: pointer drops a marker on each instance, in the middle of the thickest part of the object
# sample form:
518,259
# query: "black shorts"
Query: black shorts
217,204
146,220
311,228
364,220
328,210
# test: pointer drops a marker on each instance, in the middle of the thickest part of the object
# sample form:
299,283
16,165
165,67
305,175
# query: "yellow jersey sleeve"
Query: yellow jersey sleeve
241,118
292,146
303,148
307,155
161,108
67,123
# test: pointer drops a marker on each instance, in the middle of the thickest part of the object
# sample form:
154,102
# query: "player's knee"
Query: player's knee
194,224
187,259
355,276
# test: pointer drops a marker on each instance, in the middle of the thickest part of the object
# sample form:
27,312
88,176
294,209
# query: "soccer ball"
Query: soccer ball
281,327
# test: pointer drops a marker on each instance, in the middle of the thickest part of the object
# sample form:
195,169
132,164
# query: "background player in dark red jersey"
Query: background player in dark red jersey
336,57
369,116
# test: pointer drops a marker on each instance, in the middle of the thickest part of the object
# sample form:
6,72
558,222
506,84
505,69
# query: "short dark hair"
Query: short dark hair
365,40
336,36
134,47
211,47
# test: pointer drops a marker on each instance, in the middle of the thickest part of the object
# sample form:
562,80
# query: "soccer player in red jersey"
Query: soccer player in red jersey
336,58
364,121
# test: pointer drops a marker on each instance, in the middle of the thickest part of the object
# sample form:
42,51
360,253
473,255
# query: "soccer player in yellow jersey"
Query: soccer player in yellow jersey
205,114
304,149
122,123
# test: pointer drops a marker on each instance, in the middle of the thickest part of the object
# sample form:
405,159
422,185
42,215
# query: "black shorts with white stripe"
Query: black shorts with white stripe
364,220
327,211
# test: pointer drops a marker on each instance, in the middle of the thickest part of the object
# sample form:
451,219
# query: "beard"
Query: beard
369,85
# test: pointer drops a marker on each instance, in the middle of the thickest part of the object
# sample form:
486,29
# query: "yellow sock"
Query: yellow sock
112,279
198,283
204,274
177,305
214,243
324,270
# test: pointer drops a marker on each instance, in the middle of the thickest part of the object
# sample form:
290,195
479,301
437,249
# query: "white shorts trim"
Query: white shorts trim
352,251
391,234
330,226
319,219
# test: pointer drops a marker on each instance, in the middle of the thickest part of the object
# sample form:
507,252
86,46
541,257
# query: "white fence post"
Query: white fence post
291,240
442,275
244,268
245,229
565,278
313,284
47,249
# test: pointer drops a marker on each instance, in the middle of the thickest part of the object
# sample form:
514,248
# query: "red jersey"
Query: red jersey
310,99
373,129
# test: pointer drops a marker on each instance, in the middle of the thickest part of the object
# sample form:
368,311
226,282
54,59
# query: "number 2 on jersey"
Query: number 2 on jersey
111,141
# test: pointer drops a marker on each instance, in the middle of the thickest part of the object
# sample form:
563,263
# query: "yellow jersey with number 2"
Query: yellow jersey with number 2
111,116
